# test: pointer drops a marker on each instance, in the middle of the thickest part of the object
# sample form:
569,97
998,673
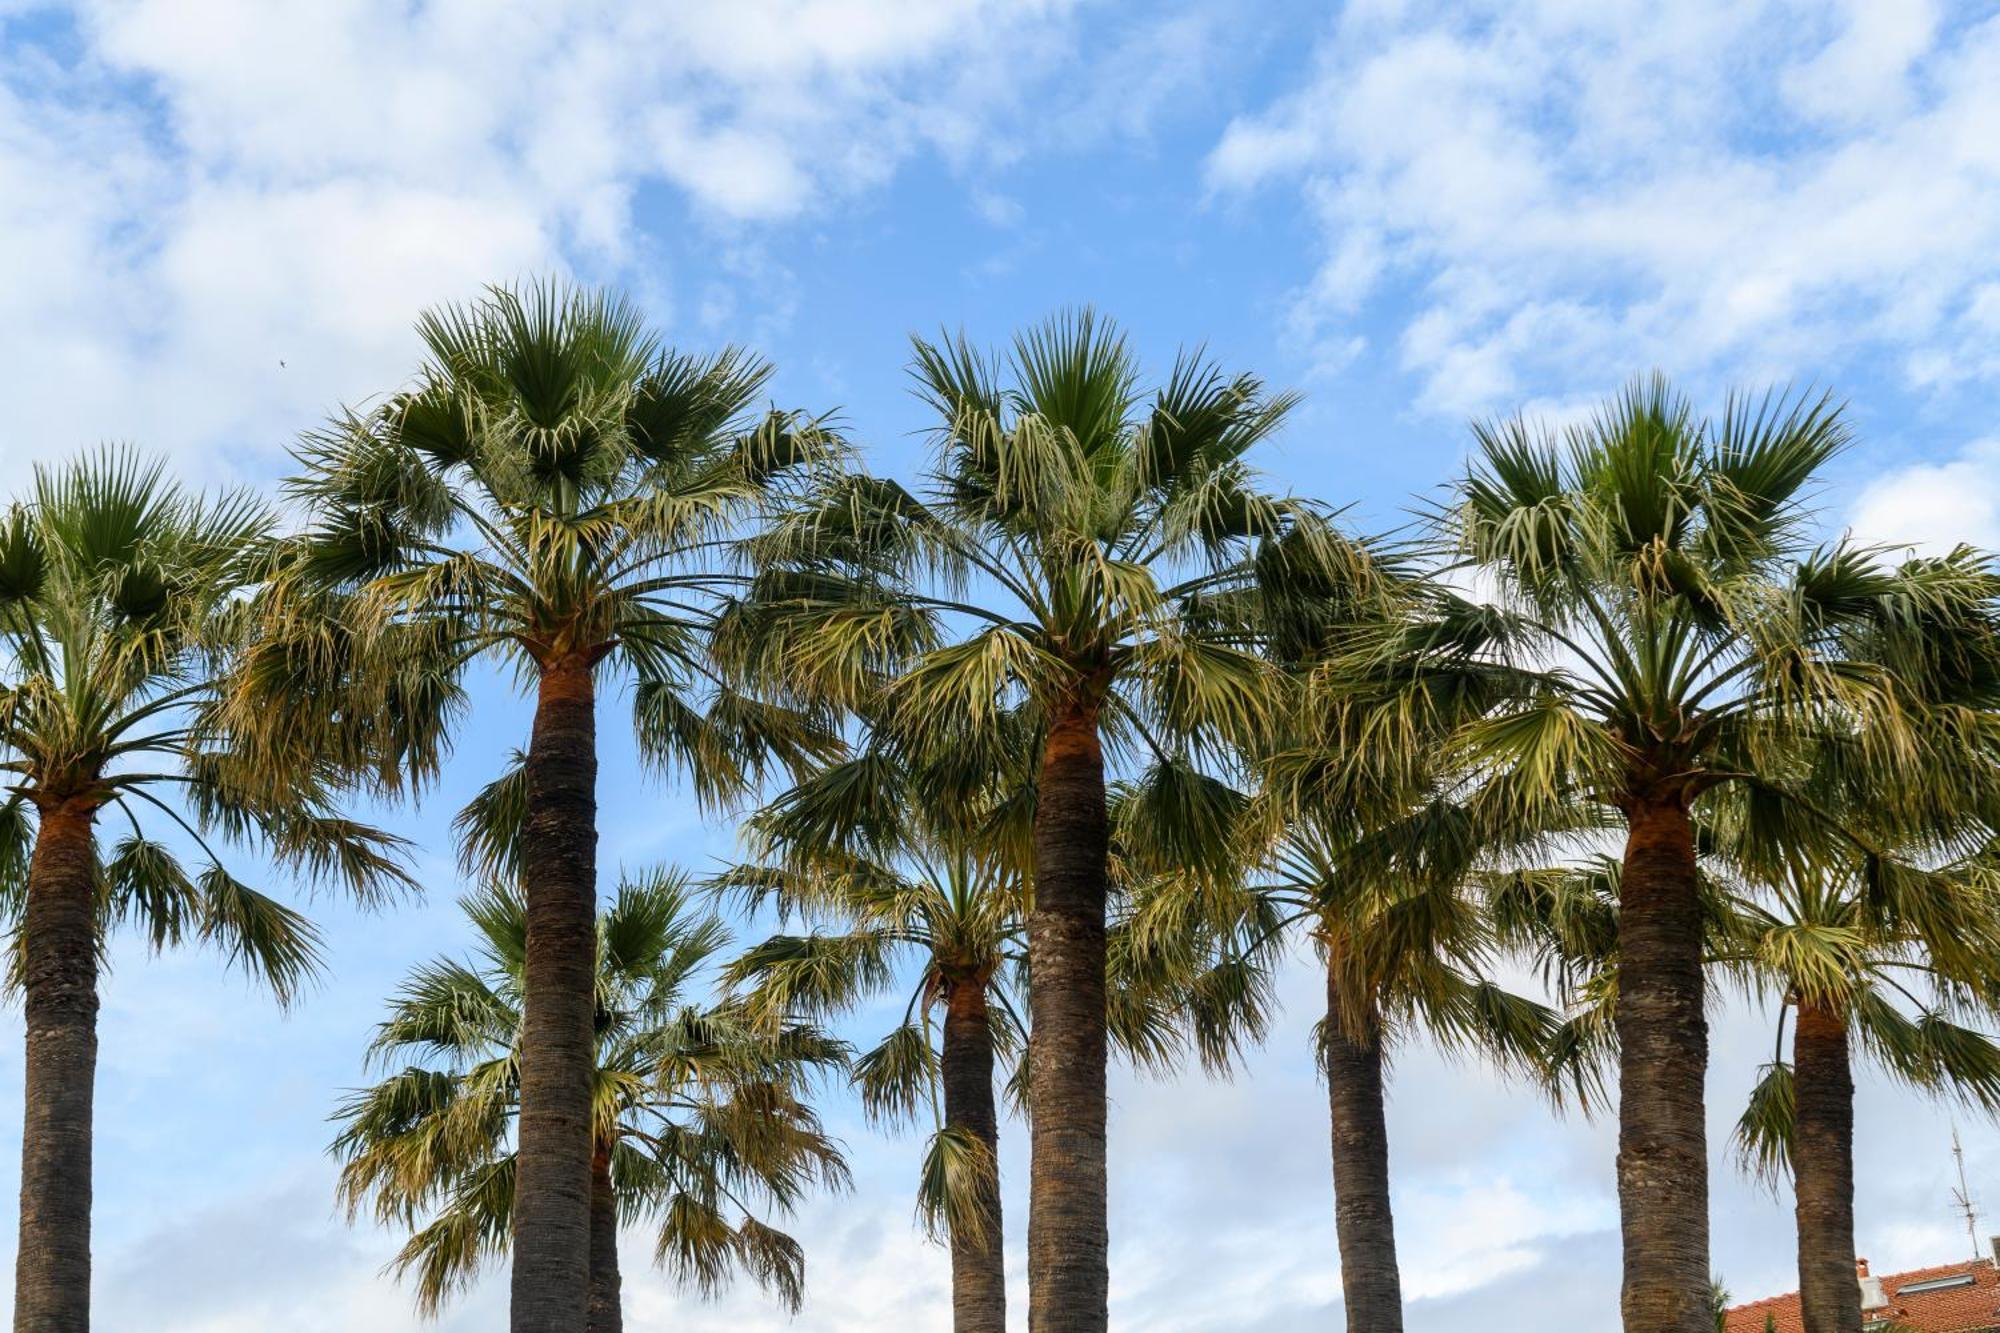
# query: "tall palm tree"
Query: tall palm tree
1661,626
554,494
1071,563
698,1115
1377,858
123,600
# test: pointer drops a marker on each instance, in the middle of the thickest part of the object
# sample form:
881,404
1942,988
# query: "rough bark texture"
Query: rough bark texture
978,1262
59,972
1068,1235
1662,1060
1371,1284
559,863
1823,1173
607,1314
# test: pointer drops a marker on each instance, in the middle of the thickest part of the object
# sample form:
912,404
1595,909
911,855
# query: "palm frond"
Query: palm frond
1763,1136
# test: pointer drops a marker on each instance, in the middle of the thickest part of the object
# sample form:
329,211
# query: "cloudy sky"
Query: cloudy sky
218,219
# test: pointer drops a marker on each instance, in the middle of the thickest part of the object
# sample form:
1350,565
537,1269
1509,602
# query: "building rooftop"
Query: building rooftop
1950,1298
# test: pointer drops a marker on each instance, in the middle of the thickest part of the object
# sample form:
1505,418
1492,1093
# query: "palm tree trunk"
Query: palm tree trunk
59,975
559,870
607,1312
1662,1062
1371,1283
978,1263
1069,1276
1823,1172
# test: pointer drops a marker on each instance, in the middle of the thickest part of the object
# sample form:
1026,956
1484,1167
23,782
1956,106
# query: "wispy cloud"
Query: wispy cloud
217,217
1542,196
1935,506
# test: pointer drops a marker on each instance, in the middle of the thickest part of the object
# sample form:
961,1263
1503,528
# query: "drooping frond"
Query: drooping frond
444,1258
489,827
955,1186
1763,1136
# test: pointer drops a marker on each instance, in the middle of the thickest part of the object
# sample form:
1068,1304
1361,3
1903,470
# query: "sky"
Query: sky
219,219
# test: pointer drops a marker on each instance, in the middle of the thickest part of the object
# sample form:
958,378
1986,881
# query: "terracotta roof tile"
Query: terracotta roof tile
1963,1309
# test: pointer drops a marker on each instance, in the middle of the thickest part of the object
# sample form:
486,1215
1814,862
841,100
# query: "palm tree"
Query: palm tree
1793,912
1855,980
553,494
1800,1120
1661,627
889,858
1405,944
1071,564
698,1117
871,849
122,603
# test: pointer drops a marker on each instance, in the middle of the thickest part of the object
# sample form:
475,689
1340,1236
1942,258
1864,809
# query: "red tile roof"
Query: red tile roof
1964,1309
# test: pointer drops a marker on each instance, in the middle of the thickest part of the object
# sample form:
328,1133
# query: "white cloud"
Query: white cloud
1935,506
194,191
1561,193
1864,72
997,210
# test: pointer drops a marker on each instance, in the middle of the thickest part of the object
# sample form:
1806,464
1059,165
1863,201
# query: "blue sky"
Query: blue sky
218,220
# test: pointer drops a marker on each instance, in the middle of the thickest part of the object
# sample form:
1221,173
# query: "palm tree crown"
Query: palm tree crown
1662,624
862,846
1077,549
554,490
1816,949
124,605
